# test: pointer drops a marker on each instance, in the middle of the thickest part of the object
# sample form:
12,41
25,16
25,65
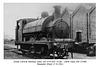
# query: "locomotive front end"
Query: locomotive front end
61,29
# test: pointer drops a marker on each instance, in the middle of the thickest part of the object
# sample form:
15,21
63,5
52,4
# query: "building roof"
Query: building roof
82,6
64,11
92,8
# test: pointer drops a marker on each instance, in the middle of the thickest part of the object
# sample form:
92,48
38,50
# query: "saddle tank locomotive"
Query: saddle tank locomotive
39,35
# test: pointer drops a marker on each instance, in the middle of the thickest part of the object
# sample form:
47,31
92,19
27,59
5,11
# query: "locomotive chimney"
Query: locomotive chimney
44,14
57,12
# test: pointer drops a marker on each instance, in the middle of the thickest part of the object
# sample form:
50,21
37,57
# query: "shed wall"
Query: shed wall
79,21
92,26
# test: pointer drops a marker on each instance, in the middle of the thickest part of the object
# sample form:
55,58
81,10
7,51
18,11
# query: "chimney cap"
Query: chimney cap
57,6
79,31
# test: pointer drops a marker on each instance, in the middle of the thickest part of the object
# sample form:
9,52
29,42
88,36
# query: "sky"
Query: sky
15,11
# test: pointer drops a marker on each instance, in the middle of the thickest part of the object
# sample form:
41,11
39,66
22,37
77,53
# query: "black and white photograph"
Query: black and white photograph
49,30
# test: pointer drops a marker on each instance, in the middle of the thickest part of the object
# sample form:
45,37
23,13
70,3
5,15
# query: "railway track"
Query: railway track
11,52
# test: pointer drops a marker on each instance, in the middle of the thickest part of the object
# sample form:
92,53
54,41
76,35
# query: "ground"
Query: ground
10,52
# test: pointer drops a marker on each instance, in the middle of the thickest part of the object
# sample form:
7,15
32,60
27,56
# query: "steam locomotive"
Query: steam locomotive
47,35
41,35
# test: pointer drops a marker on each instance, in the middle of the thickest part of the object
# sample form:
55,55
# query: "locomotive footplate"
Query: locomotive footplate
46,42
